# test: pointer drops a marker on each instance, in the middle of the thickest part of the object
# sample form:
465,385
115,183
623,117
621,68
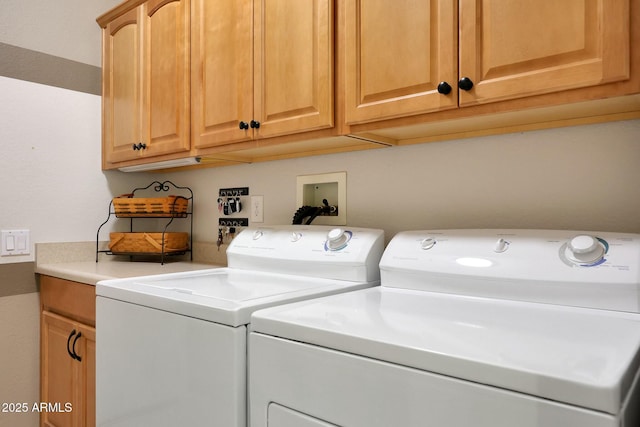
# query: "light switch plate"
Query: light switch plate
15,242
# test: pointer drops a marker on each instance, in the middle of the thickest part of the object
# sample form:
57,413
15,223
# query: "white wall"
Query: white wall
585,177
50,178
50,167
63,28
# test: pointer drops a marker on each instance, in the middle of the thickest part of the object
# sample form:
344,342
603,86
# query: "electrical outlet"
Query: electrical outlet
257,208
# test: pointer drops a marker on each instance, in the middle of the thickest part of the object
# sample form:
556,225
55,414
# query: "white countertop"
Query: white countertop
91,272
76,261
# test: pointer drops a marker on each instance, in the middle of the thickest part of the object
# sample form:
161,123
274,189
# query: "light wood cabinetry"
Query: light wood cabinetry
396,54
516,49
221,71
227,81
67,353
505,50
145,84
261,68
254,80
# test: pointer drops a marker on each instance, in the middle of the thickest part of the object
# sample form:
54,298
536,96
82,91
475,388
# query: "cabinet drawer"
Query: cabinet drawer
71,299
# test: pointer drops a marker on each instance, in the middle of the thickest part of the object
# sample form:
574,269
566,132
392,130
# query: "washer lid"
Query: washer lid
583,357
222,295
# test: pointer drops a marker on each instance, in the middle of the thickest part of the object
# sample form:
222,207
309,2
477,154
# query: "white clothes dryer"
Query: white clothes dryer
171,350
470,328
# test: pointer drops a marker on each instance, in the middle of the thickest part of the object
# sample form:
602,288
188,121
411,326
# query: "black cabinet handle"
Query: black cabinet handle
75,355
465,83
255,124
444,88
69,341
243,125
139,146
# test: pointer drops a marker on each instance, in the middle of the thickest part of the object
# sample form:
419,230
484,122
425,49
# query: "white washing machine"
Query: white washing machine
470,328
172,349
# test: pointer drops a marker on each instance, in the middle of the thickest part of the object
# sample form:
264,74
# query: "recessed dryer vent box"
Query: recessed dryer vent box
312,189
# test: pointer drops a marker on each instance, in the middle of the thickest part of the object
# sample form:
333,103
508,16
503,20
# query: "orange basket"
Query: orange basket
147,243
126,206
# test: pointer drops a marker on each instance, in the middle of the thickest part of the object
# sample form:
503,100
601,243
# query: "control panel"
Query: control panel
586,269
310,250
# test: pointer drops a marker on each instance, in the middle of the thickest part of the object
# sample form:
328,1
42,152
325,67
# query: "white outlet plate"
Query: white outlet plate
15,242
257,209
311,189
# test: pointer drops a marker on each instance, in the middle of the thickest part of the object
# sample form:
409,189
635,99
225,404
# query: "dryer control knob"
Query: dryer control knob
501,246
337,239
585,248
295,236
258,234
427,243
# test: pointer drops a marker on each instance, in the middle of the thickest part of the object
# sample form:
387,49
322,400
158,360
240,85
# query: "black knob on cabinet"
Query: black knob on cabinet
465,83
243,125
69,341
444,88
255,124
75,355
139,146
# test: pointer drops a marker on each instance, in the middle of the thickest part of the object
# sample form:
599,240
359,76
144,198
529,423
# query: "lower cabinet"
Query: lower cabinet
67,353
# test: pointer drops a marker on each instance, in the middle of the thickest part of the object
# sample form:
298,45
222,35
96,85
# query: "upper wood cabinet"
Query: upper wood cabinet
145,82
396,54
221,71
514,49
260,68
402,57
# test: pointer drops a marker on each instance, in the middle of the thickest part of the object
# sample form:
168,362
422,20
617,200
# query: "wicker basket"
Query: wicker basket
161,207
147,243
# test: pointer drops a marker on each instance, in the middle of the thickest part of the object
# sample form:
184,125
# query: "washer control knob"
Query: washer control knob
258,234
337,239
295,236
501,246
585,248
427,243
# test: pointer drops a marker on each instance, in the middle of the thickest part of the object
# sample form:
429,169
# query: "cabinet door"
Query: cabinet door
165,78
58,370
221,71
86,349
121,103
293,66
514,49
396,55
65,380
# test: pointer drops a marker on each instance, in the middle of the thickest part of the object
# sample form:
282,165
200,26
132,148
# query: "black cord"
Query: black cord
310,212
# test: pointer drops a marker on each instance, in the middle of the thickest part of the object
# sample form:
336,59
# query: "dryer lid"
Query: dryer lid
579,356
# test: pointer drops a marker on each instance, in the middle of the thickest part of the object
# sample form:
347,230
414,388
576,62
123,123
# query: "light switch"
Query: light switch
11,242
21,244
15,242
